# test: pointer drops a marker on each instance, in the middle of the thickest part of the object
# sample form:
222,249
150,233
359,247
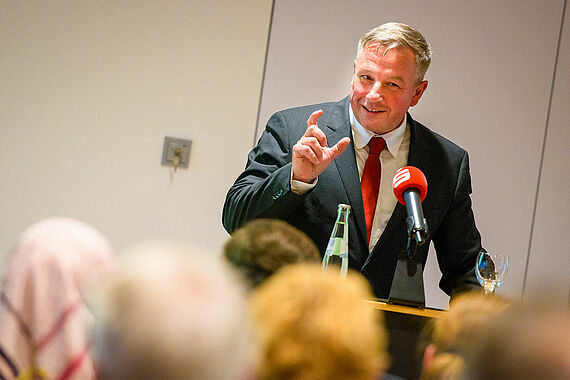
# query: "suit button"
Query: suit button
277,194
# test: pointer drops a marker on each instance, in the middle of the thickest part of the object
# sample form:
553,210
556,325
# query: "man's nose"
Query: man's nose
375,91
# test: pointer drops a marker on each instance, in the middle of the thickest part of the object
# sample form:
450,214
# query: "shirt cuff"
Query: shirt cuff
300,188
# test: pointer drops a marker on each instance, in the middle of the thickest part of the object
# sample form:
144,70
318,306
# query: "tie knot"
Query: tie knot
376,145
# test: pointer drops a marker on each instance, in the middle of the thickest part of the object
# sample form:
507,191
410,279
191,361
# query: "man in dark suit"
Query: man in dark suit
300,170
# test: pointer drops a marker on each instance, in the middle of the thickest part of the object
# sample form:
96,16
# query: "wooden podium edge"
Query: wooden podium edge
426,312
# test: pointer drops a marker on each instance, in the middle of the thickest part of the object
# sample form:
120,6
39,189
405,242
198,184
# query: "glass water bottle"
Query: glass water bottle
336,255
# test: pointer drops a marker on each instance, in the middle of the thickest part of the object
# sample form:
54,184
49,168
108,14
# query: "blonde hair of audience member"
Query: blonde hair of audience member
172,312
313,325
262,246
445,339
394,34
44,321
528,342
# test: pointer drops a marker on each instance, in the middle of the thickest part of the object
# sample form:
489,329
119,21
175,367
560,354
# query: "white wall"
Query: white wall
489,91
548,271
88,91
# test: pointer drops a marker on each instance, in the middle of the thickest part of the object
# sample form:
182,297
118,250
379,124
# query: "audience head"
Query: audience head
171,312
313,325
531,342
44,321
445,339
262,246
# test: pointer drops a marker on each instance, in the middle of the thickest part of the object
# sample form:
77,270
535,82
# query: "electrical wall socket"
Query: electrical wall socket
174,147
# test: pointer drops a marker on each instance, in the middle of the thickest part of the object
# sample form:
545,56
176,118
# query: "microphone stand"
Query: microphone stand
408,282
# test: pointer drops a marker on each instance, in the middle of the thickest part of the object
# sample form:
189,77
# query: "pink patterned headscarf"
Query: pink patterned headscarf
44,322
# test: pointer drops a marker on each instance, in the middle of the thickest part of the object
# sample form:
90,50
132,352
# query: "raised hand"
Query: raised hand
311,156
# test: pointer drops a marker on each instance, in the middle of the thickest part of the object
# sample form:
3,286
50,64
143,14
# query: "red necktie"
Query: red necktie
370,181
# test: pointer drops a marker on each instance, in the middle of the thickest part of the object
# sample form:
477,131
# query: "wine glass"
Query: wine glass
491,270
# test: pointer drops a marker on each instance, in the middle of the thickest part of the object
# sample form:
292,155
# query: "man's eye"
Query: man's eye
365,77
392,84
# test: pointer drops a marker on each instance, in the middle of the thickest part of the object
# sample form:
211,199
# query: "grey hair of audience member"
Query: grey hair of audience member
172,312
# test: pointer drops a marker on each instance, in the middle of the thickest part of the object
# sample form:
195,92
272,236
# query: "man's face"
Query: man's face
383,87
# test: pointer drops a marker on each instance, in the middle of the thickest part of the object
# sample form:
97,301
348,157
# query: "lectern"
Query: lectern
404,324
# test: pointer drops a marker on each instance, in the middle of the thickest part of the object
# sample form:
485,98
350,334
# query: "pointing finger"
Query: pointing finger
314,117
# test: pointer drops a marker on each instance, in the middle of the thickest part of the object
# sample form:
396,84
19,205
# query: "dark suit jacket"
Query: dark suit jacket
263,191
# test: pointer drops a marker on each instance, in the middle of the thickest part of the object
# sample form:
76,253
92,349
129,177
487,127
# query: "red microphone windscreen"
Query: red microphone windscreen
406,178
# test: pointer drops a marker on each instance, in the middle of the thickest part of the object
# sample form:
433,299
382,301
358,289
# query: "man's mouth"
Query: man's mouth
372,110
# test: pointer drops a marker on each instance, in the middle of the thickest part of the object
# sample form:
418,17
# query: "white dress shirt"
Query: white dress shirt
392,158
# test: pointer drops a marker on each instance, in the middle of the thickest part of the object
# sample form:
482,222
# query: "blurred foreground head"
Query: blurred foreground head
44,321
171,312
314,325
262,246
530,342
445,340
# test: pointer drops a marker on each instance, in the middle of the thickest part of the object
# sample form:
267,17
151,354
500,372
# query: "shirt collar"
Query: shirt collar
362,135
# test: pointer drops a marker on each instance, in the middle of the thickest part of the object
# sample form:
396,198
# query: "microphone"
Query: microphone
410,187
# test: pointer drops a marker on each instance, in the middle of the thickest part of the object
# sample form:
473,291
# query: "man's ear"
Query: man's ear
418,92
429,354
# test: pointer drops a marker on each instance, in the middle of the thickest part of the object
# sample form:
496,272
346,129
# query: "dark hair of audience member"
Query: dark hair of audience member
262,246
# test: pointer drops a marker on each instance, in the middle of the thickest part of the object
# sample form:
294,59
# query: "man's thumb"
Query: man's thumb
339,147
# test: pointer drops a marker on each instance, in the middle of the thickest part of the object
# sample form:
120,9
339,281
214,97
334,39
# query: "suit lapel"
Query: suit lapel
339,127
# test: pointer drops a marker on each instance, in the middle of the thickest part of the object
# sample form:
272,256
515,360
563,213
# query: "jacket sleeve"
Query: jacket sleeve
458,242
263,188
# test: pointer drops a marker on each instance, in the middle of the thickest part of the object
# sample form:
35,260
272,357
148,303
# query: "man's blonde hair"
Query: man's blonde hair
395,34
